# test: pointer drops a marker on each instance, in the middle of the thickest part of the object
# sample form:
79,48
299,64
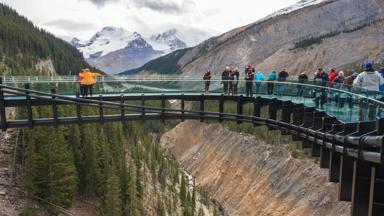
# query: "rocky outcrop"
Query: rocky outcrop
249,177
46,67
345,32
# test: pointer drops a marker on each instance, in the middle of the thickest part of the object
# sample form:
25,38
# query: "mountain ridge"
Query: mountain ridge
268,43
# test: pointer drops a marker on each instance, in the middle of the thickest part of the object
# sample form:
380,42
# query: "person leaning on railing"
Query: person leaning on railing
225,79
371,81
236,73
80,78
338,82
88,81
281,77
348,82
302,79
321,79
249,77
207,80
272,77
259,78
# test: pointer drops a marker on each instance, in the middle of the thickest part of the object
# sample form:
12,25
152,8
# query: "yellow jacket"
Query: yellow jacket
86,78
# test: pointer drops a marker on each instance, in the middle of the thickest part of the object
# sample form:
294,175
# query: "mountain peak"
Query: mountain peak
168,38
114,43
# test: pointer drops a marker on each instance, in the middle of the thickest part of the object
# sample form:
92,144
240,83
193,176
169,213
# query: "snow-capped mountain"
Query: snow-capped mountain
168,41
115,49
107,40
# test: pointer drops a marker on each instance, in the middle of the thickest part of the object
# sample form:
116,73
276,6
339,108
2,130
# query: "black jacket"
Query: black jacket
225,75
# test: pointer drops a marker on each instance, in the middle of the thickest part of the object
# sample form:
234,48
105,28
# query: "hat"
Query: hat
249,66
368,66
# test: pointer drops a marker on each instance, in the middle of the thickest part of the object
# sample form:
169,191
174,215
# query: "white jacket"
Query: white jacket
369,80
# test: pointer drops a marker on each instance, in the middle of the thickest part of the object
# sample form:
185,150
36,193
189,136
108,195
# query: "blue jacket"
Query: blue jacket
259,76
272,77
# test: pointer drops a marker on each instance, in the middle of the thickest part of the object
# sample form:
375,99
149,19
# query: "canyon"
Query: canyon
250,177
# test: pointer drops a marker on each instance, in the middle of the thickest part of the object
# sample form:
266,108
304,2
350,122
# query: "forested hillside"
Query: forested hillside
119,165
23,45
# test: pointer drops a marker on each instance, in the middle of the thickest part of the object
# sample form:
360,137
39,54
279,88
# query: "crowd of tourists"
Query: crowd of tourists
370,82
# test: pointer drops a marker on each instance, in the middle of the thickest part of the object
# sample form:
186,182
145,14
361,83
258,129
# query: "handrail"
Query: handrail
152,78
296,84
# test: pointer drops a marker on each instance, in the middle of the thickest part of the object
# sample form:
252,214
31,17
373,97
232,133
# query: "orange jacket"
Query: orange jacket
87,78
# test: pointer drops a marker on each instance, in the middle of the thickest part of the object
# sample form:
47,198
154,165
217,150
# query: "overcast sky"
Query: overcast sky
82,18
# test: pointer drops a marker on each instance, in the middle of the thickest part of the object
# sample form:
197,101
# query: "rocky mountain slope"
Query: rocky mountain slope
114,49
249,177
312,34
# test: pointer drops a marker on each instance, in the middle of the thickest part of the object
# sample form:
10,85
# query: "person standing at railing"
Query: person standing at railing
272,77
338,82
259,78
381,72
249,77
80,78
371,81
300,88
207,80
88,81
225,79
281,77
249,67
348,82
321,79
331,77
231,81
236,73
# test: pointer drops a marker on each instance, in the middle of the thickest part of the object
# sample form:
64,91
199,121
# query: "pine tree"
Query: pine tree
57,177
183,191
74,140
112,201
194,196
90,158
160,207
30,168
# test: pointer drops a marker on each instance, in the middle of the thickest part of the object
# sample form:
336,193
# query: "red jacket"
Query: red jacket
207,76
332,75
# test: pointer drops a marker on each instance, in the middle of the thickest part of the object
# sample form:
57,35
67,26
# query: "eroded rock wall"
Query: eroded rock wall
248,176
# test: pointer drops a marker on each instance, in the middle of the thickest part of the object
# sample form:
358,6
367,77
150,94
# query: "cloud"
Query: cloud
70,25
101,2
163,6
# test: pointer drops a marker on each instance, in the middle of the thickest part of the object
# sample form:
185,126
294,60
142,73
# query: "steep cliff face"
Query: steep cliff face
249,177
345,32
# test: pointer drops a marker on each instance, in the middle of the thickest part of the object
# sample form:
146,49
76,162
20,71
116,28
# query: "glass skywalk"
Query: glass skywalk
347,103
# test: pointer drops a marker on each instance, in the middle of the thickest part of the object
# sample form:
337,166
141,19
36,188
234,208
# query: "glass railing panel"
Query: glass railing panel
347,103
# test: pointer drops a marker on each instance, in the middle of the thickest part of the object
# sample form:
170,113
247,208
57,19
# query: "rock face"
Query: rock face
248,177
343,32
46,66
